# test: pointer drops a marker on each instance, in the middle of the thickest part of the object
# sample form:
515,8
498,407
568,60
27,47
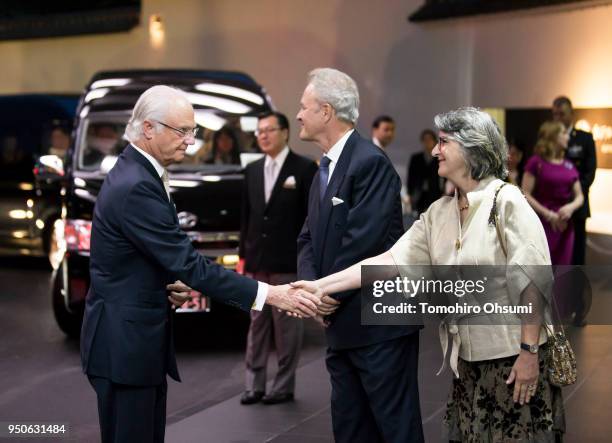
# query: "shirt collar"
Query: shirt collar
279,159
377,142
483,189
336,150
158,168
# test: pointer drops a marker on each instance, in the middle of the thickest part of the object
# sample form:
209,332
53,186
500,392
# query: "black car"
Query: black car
34,138
206,187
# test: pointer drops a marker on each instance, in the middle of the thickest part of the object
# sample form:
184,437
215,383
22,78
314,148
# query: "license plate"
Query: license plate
197,303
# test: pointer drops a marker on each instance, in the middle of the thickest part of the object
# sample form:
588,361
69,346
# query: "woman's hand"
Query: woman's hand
565,212
559,225
556,222
524,375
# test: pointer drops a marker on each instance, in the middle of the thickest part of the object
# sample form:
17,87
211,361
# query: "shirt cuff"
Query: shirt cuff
262,294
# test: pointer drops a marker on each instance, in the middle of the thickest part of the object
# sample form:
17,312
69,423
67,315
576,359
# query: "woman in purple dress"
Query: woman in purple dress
551,185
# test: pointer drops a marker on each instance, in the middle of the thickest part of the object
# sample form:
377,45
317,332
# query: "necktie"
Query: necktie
166,181
323,176
269,179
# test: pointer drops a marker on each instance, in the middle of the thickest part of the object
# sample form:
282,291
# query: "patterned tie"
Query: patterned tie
323,176
269,179
166,181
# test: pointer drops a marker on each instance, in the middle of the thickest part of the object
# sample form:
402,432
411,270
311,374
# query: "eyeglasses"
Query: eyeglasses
259,132
183,132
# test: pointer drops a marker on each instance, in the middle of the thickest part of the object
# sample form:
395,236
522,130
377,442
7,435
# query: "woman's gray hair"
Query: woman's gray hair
339,90
485,149
154,104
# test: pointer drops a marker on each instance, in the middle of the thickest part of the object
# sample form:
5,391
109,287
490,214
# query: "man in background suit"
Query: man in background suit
424,184
274,205
354,212
383,131
137,248
581,151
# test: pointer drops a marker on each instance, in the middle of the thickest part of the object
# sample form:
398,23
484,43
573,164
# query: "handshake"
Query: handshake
302,299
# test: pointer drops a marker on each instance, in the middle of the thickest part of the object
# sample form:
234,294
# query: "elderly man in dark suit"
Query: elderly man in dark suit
274,205
137,248
354,212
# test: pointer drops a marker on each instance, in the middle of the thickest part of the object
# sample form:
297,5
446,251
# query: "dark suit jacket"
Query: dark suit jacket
137,248
268,234
581,151
423,182
368,223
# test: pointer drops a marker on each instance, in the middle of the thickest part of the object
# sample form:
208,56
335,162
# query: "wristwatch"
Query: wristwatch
531,348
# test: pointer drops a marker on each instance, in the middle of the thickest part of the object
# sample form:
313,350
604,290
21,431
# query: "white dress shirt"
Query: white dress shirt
377,142
334,153
262,288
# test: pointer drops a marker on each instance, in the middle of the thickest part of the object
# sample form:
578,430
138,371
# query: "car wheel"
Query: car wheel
56,247
69,322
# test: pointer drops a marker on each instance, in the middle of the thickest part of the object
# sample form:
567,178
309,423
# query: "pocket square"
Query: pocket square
336,201
289,182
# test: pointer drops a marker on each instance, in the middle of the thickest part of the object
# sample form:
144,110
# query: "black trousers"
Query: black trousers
130,414
375,392
580,238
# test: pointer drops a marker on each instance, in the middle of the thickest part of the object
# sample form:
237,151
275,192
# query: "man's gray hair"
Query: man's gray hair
485,149
339,90
154,104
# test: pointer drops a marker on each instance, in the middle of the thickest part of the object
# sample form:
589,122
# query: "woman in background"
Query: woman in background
225,148
551,185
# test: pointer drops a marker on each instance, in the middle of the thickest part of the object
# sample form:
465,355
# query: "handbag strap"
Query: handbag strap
494,220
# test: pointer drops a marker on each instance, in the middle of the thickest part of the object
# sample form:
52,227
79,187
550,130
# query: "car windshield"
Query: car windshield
225,148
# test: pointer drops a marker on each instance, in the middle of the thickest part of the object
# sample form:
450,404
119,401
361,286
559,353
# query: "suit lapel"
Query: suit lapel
337,178
258,185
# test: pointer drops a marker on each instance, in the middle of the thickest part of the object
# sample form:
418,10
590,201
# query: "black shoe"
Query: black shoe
251,397
274,399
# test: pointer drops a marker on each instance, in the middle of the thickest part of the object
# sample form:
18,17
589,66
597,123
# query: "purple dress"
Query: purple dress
553,189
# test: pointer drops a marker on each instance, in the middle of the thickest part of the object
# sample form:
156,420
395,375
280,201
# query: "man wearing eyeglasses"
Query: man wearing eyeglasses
137,249
274,206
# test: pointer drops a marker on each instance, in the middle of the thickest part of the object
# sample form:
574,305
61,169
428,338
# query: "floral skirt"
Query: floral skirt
481,408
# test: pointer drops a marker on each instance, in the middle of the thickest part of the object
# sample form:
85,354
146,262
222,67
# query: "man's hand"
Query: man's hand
287,299
328,305
179,293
